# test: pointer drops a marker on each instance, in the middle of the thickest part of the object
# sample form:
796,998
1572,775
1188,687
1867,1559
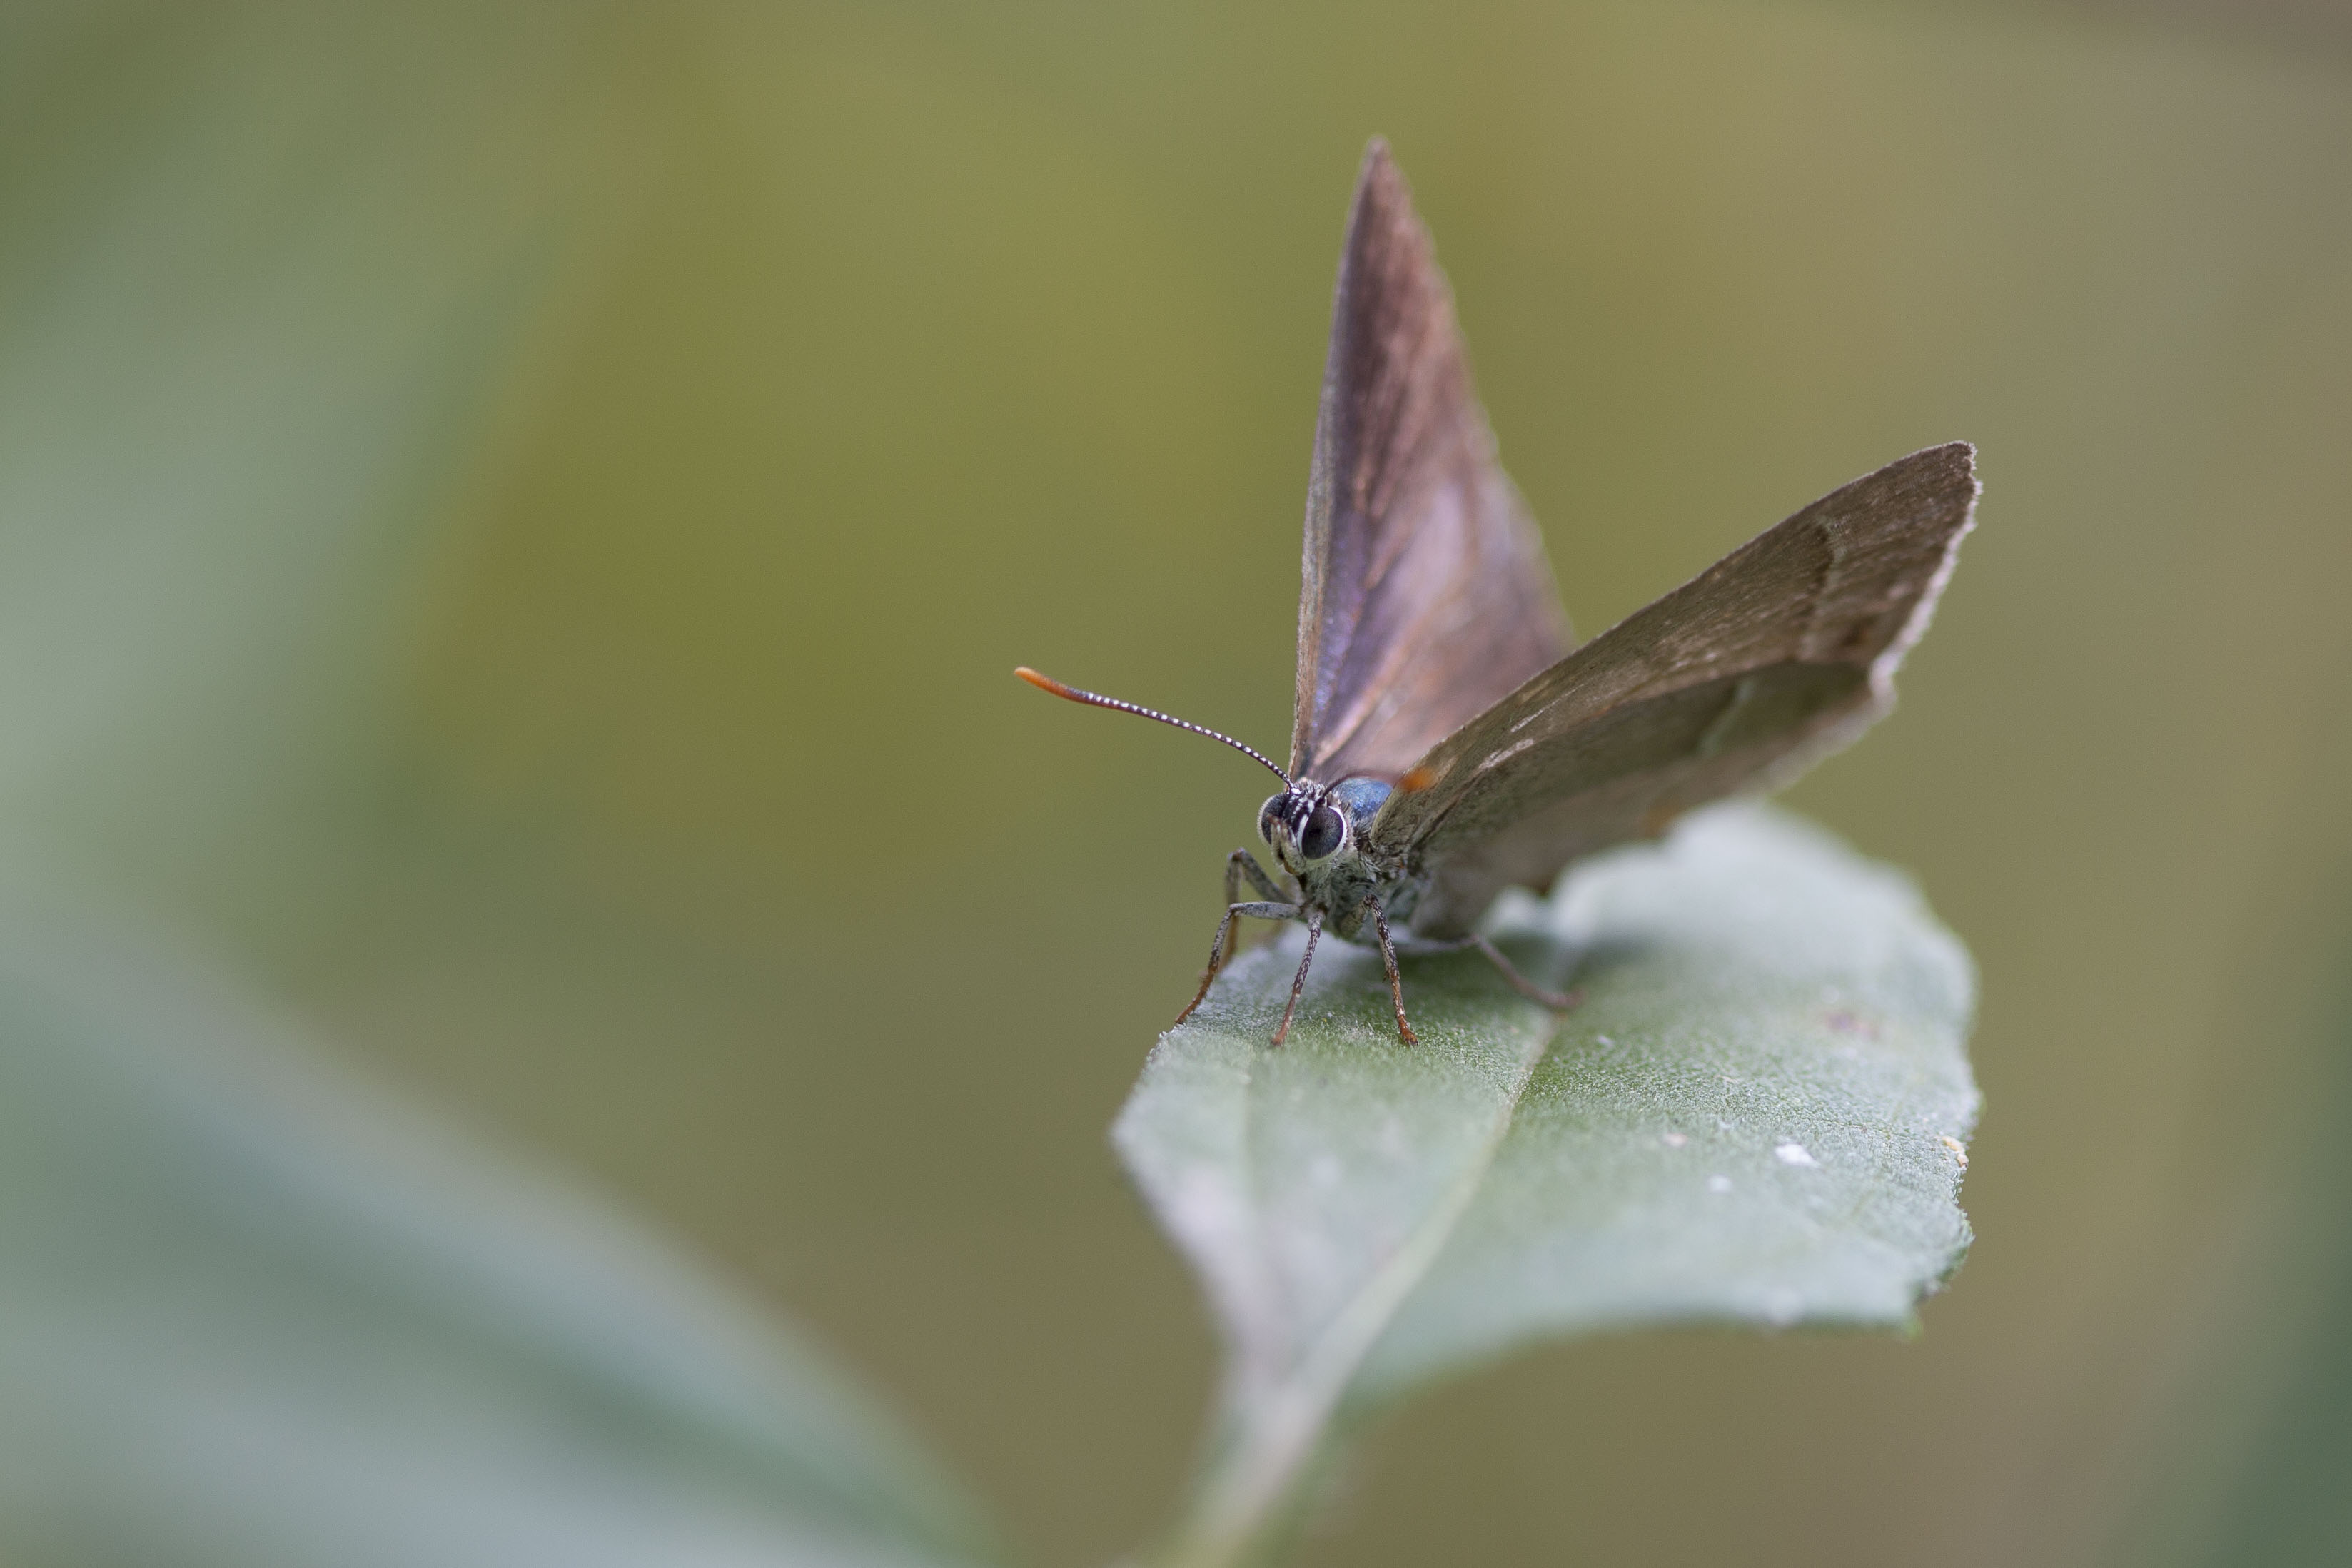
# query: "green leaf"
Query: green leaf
1755,1117
252,1314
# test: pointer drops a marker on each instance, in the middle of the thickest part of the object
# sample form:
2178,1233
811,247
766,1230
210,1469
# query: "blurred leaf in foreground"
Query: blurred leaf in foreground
1755,1117
252,1314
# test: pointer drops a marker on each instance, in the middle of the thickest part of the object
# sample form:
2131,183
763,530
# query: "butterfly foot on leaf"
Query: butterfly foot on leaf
1557,1001
1387,960
1298,981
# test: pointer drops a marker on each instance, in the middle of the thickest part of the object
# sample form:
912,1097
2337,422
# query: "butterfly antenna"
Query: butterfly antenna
1047,683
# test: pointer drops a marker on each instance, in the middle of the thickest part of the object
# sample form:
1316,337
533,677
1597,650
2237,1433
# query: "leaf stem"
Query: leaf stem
1249,1491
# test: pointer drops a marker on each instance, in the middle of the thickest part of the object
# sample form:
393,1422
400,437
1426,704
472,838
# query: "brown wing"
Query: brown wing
1774,656
1425,596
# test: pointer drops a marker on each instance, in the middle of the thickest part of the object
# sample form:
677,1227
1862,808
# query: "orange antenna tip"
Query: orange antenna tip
1046,684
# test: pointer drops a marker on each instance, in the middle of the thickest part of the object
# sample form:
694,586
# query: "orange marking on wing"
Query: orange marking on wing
1658,819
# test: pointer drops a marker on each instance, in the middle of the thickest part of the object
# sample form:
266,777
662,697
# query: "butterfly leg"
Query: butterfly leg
1388,956
1559,1001
1314,934
1241,864
1217,948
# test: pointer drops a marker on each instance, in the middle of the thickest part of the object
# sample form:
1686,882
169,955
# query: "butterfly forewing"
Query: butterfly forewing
1426,595
1778,654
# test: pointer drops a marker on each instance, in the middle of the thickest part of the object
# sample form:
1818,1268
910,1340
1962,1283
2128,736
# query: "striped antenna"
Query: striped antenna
1047,683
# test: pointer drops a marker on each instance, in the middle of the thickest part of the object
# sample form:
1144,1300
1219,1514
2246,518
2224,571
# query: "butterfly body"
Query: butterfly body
1449,737
1317,835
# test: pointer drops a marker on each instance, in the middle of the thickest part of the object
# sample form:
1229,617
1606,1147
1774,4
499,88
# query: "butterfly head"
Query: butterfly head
1307,824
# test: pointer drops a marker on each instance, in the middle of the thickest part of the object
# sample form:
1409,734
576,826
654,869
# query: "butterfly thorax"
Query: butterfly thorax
1315,831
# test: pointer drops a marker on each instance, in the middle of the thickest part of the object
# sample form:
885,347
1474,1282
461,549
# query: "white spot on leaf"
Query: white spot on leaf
1719,1184
1793,1155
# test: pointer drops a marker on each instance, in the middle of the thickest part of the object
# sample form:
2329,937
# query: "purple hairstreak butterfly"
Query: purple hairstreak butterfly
1449,738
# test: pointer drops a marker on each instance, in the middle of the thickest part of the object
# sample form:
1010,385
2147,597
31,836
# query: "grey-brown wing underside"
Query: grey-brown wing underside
1425,595
1774,656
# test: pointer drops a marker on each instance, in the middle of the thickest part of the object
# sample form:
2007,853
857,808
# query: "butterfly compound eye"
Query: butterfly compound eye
1265,818
1325,829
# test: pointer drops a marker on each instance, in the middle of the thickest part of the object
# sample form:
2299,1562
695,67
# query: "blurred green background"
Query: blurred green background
516,521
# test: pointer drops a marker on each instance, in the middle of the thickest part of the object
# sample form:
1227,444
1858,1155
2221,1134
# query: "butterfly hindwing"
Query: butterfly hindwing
1782,652
1426,596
